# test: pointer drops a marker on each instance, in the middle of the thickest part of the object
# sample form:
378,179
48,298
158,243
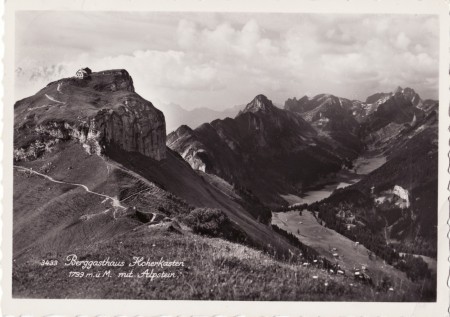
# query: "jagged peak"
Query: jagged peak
406,91
259,104
409,94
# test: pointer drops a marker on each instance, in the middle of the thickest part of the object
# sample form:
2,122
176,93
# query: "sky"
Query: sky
219,60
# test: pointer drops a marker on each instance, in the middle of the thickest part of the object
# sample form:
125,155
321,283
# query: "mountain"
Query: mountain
398,200
177,116
331,116
267,150
99,112
390,114
356,124
397,109
267,145
91,163
364,109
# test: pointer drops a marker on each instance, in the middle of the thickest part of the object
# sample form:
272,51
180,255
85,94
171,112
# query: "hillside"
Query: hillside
337,248
213,269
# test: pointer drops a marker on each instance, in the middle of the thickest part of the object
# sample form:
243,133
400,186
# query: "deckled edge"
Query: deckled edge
2,133
444,52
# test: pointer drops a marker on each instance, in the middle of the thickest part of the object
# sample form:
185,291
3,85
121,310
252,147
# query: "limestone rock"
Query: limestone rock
99,111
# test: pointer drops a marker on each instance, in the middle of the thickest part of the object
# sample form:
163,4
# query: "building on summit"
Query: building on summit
83,73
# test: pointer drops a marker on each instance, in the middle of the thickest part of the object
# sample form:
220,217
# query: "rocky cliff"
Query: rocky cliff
99,111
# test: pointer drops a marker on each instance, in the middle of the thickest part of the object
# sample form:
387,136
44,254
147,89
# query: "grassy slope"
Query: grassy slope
48,216
176,176
214,269
322,239
54,214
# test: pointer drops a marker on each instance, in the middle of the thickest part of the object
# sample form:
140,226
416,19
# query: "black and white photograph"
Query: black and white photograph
225,156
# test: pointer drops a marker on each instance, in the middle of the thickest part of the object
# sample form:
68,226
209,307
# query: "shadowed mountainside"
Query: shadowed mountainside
266,150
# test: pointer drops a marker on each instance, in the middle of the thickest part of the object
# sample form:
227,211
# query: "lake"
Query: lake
362,166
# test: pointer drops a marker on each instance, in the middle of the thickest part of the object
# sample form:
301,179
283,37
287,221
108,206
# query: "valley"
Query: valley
322,189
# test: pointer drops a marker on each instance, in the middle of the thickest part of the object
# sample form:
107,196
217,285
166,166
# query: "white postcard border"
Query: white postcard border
72,307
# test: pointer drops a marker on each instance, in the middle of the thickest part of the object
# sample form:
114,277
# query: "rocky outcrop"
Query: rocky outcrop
136,126
109,113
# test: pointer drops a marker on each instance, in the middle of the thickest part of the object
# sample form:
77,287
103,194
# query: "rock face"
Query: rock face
332,116
135,127
99,111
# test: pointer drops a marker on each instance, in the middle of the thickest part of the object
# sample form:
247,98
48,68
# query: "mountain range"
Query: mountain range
278,153
93,164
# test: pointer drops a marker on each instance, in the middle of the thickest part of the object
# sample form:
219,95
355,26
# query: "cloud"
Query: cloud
223,59
402,41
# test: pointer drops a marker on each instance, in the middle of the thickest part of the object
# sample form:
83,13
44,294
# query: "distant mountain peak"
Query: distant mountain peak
259,104
406,91
409,94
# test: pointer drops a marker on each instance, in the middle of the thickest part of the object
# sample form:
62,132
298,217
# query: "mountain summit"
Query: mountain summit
100,110
259,104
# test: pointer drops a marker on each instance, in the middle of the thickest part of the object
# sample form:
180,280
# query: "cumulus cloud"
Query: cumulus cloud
222,59
402,41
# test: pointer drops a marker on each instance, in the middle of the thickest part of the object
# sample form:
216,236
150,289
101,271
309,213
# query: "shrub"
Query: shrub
415,267
207,221
214,223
